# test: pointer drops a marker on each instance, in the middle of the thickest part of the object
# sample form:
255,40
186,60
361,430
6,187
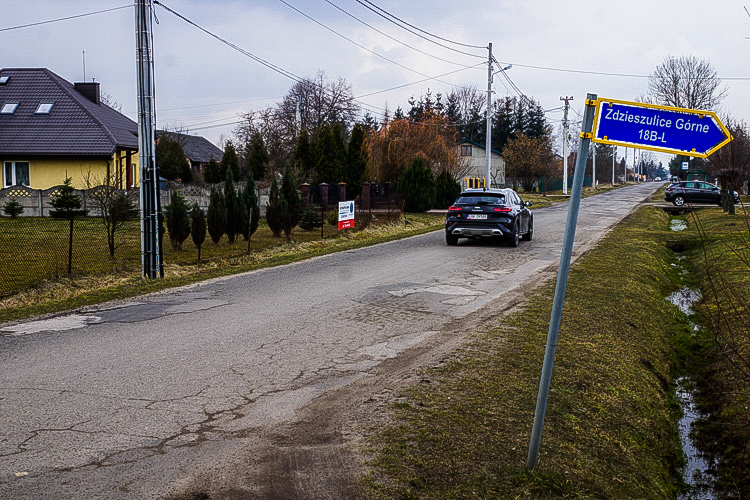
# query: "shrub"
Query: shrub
310,218
447,190
418,185
13,209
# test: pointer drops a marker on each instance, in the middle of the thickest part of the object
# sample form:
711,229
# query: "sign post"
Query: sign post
346,214
629,124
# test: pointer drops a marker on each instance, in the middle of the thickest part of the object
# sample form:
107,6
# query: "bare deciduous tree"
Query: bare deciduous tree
731,164
528,160
686,82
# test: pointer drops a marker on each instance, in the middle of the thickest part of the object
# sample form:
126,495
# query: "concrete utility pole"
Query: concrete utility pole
151,257
593,165
565,143
489,118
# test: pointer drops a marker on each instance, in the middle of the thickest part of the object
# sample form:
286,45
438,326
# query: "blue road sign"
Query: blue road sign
658,128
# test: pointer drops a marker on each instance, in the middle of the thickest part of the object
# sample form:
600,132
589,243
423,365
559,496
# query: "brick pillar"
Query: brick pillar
305,191
324,196
342,191
364,200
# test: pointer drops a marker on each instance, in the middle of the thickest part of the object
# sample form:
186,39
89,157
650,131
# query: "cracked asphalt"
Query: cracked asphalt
172,392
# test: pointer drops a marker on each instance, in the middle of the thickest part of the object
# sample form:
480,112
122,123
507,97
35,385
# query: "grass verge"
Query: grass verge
610,426
63,294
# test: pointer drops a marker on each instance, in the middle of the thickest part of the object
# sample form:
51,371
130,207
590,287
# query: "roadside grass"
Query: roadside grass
540,200
718,252
610,428
121,278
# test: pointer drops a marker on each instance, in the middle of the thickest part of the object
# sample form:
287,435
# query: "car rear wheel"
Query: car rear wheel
450,239
530,233
678,201
514,237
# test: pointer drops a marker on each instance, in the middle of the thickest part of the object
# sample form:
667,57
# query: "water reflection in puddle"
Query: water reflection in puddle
678,224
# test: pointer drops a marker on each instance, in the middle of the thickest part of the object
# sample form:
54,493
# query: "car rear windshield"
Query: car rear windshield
481,199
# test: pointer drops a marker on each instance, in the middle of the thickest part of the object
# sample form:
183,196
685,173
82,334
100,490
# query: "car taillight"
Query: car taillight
502,209
454,208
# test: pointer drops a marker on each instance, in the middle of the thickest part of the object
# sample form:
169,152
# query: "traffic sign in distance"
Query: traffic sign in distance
658,128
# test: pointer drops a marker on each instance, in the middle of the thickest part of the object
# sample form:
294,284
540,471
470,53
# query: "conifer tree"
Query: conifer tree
13,209
233,209
68,205
251,208
418,185
229,161
257,157
197,228
178,219
274,209
217,216
292,209
212,174
356,162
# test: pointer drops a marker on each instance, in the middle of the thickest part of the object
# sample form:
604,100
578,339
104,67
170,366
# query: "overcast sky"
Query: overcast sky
557,49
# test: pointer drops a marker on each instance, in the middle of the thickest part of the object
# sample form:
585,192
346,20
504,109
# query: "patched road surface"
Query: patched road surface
252,386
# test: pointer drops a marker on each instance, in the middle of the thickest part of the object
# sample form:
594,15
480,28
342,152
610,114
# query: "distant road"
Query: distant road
136,398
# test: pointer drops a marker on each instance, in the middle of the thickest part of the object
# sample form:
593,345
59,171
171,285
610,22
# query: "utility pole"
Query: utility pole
593,165
488,152
151,256
565,143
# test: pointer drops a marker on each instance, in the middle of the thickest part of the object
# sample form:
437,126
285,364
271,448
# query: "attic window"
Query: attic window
44,108
4,80
8,108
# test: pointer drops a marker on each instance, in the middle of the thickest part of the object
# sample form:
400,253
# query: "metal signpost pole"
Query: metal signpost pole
562,279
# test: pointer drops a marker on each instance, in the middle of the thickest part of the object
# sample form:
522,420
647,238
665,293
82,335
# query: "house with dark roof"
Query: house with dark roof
51,128
198,150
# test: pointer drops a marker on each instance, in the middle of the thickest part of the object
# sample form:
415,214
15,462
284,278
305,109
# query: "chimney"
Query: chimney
90,90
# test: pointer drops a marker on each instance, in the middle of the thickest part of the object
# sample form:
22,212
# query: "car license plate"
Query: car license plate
476,216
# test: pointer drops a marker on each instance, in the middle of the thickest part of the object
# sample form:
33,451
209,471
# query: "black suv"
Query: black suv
491,213
683,192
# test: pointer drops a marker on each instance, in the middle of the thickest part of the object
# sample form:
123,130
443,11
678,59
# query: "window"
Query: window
4,80
16,173
8,108
466,150
44,108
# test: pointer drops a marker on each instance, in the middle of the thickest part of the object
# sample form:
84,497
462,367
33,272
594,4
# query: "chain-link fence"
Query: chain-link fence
37,248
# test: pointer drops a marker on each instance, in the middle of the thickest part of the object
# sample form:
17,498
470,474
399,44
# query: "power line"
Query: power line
65,18
417,34
419,81
421,30
355,43
242,51
392,38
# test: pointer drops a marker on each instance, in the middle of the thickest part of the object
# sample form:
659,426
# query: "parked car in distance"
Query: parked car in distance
491,213
657,179
683,192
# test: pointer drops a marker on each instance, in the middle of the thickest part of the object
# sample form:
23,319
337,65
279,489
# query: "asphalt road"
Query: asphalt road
134,399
